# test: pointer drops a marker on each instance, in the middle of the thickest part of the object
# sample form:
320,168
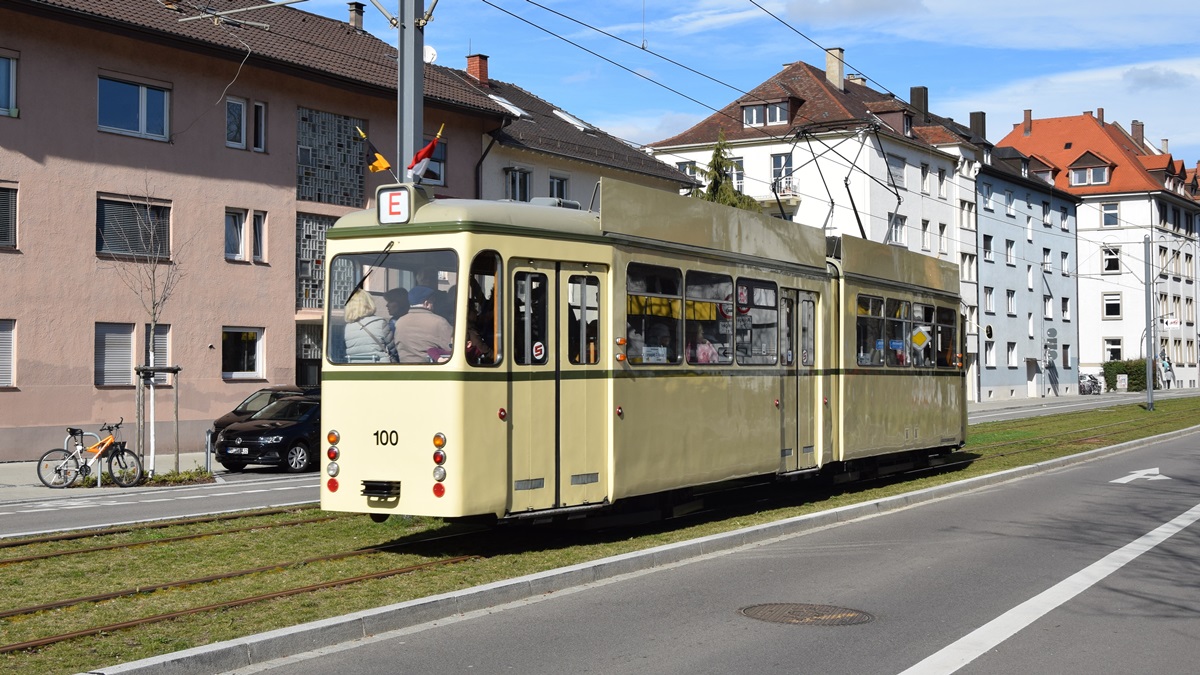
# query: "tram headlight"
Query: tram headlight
332,469
439,473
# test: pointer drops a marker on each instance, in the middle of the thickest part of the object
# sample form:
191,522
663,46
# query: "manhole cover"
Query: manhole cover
808,615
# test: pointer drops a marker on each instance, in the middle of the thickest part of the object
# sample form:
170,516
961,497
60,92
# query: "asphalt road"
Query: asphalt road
1081,570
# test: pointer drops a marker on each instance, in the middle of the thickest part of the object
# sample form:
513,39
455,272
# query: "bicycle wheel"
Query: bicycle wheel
58,468
124,467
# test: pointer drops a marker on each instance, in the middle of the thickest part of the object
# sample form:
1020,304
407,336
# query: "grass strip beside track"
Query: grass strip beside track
992,447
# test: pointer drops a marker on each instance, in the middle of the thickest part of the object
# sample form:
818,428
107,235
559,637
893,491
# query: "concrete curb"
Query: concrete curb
256,649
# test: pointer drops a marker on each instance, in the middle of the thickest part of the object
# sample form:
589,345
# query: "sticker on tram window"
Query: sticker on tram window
896,344
539,351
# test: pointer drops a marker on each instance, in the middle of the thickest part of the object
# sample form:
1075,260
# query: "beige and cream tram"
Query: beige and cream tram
656,345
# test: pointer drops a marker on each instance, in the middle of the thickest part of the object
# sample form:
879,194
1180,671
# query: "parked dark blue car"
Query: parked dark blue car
285,433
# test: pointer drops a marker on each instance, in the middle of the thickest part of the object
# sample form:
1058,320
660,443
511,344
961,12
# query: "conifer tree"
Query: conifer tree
720,187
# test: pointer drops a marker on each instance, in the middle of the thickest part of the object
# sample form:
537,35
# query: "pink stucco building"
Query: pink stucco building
137,150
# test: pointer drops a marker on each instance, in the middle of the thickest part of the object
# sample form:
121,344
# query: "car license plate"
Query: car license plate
238,451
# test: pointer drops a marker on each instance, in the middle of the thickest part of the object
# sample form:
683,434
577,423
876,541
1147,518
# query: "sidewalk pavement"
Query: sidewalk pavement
19,480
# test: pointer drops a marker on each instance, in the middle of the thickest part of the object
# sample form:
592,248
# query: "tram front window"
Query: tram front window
392,307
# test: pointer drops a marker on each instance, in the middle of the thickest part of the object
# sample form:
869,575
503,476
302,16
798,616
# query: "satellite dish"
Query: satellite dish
430,54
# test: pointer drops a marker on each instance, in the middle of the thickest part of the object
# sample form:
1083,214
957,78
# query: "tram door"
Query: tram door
798,411
559,439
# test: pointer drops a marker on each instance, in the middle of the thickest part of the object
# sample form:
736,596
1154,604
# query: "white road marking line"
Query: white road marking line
1006,625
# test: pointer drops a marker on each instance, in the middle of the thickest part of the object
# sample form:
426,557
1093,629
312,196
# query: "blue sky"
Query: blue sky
1136,60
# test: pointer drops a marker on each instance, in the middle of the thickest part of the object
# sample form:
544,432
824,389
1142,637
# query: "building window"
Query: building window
1046,262
1110,260
1029,324
125,228
781,173
942,238
1046,214
1010,302
737,173
162,333
1010,252
8,368
1096,175
1011,349
8,86
8,217
1066,309
1063,221
235,228
435,170
558,187
133,109
1112,349
260,127
985,191
516,184
1029,277
989,354
987,248
925,237
966,215
896,167
925,179
1189,309
114,354
241,353
1111,302
1010,207
942,183
989,302
688,168
777,113
1048,307
1066,263
897,230
752,115
258,236
967,267
1066,356
1109,214
235,123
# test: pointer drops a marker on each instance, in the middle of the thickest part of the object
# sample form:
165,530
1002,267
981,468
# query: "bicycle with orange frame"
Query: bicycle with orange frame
61,468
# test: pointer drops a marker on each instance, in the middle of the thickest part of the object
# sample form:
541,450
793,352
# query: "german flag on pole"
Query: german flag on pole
375,160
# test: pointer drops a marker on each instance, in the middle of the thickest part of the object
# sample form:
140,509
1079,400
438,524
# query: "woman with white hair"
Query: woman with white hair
367,335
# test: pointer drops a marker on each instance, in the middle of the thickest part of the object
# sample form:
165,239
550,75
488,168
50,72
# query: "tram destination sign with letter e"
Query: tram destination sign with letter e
394,204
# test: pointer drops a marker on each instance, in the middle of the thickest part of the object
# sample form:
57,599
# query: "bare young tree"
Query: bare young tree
133,238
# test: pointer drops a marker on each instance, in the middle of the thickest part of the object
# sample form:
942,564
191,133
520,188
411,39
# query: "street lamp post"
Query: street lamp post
1149,329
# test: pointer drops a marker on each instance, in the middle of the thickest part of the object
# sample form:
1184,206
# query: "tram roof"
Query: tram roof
631,214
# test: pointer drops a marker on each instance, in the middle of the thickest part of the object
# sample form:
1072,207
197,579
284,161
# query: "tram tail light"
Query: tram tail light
333,437
332,484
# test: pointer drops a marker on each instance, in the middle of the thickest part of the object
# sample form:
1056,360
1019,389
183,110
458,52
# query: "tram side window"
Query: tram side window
654,311
869,331
896,313
529,321
787,345
483,345
947,339
922,336
756,322
709,318
583,331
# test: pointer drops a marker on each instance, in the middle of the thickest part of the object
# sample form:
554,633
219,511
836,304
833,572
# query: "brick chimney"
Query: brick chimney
1027,128
835,67
356,15
1164,147
919,98
1139,134
477,68
1100,115
979,124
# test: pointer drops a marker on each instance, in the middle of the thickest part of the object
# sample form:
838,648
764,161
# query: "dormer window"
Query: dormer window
1044,175
777,113
908,125
752,115
1025,168
1094,175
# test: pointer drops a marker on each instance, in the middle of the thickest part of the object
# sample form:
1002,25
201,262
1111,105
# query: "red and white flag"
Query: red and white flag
420,161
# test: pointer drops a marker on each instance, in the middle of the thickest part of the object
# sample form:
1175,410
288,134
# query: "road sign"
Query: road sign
1171,323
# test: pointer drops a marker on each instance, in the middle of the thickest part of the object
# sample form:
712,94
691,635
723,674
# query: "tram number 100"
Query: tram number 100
385,437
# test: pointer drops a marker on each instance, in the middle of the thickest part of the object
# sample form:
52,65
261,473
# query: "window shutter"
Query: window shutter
8,217
137,229
6,352
114,354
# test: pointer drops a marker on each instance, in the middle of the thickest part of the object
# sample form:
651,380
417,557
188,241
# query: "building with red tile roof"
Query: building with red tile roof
1133,197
